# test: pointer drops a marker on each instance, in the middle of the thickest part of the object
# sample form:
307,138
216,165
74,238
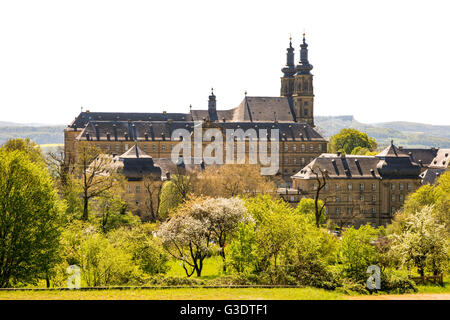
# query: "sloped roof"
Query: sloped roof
392,151
430,175
341,167
441,160
133,153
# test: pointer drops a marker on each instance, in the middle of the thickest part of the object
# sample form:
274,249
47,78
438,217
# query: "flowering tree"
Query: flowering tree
420,241
187,236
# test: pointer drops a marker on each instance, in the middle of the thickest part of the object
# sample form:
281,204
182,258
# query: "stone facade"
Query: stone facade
292,113
358,189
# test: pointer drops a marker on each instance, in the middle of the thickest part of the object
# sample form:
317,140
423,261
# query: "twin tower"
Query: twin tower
297,84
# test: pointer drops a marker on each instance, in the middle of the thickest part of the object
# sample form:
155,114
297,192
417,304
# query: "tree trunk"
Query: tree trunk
85,209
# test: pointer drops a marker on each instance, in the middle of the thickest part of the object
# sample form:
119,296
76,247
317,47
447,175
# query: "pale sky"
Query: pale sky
378,60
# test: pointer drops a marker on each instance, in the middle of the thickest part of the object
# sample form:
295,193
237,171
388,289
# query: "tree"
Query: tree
321,178
222,217
186,238
96,174
419,240
357,251
349,139
29,219
231,180
145,249
153,189
31,149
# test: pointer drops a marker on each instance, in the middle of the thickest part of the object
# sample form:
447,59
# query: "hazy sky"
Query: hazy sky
378,60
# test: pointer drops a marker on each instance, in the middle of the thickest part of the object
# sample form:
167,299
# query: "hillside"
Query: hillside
406,134
39,134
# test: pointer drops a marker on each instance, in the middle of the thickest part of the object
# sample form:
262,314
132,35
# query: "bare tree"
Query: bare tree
321,178
152,188
96,174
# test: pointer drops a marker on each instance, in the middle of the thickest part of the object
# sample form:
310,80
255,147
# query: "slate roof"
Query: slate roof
421,156
341,167
162,130
389,163
441,160
430,175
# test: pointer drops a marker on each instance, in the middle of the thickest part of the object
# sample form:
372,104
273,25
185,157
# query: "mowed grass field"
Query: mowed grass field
213,269
177,294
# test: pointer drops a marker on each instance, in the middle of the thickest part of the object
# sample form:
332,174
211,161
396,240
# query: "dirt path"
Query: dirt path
416,296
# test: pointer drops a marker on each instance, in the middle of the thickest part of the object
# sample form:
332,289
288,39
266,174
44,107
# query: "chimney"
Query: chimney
97,134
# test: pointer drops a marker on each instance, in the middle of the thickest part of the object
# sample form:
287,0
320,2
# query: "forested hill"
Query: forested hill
41,134
406,134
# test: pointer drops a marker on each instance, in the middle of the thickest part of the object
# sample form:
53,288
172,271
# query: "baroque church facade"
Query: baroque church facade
292,113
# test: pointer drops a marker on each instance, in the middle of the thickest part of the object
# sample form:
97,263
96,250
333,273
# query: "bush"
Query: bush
350,287
394,283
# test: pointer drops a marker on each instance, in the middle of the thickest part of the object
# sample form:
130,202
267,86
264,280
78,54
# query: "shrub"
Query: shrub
394,283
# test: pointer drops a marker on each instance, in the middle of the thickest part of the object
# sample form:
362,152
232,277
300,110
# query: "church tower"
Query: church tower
287,80
303,94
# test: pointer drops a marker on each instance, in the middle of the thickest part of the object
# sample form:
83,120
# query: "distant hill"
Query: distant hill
39,134
406,134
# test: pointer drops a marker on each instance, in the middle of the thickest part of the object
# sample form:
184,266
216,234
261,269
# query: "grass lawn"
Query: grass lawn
178,294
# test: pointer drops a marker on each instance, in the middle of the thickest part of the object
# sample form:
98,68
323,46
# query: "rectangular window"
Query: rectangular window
393,197
303,148
117,147
145,148
319,147
294,148
374,198
292,198
128,188
163,147
338,210
311,147
337,199
107,147
303,160
374,210
349,186
361,187
392,186
294,160
392,210
138,189
401,186
337,187
400,198
408,186
126,146
286,160
374,187
153,147
349,210
286,147
361,197
326,187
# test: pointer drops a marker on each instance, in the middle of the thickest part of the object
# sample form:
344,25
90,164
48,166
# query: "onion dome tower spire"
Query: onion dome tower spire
287,80
304,67
289,69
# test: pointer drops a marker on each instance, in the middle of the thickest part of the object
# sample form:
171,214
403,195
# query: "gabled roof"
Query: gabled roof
392,151
134,153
